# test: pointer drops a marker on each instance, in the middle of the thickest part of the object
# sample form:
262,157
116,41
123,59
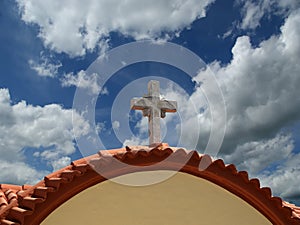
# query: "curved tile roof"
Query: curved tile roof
24,205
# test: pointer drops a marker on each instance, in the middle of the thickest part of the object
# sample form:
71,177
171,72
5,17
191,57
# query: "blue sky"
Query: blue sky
250,47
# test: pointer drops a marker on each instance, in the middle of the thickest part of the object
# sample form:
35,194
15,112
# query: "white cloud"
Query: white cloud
25,126
100,127
253,11
189,116
82,80
284,181
46,67
260,86
75,27
273,162
60,163
19,173
255,156
135,140
288,5
116,125
142,125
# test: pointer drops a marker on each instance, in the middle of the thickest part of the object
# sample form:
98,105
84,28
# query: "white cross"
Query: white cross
154,108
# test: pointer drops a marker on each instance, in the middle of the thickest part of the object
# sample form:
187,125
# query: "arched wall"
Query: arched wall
182,199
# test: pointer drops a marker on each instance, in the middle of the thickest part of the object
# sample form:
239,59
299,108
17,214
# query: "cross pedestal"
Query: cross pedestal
154,108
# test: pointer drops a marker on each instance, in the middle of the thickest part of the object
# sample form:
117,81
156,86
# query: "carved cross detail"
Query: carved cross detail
154,108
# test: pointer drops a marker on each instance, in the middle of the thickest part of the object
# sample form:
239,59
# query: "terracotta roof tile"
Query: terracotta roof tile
8,198
26,204
296,209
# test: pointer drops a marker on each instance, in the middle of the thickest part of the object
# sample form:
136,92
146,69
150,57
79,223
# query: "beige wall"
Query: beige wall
182,199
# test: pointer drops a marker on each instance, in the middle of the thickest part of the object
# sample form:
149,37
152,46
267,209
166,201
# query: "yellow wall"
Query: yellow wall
182,199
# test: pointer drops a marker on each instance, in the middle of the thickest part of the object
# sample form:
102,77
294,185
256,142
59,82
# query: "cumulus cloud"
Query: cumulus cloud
260,85
84,81
46,67
61,162
254,11
284,180
273,161
136,140
100,127
75,27
261,154
19,173
26,126
116,125
288,5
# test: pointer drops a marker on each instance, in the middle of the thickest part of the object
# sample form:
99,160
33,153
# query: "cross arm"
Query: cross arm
139,103
168,106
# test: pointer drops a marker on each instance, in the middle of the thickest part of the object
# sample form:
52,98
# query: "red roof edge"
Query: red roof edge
30,205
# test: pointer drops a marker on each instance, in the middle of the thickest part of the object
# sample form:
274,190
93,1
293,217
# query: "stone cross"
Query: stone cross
154,108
